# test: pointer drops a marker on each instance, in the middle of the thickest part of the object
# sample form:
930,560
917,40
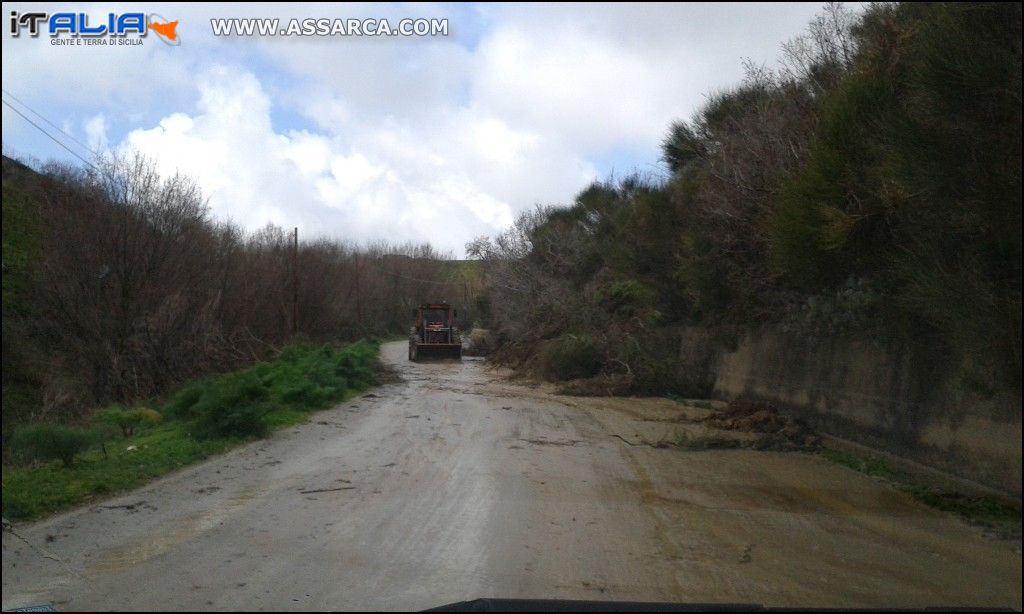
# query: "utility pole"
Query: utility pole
295,282
359,298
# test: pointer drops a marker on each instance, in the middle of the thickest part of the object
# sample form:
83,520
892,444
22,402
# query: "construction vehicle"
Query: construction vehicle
433,334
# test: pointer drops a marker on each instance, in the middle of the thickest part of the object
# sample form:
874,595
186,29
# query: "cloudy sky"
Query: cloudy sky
437,139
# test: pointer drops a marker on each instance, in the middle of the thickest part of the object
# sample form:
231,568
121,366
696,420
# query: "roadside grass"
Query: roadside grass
34,490
201,419
991,513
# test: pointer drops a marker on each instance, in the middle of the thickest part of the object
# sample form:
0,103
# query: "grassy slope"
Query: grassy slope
32,491
299,381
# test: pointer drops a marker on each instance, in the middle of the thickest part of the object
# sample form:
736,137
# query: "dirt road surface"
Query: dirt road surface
456,484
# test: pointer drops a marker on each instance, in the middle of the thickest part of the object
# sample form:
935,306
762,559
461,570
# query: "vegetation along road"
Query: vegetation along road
456,483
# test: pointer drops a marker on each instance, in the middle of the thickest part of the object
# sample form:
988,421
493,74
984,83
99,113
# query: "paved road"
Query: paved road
456,484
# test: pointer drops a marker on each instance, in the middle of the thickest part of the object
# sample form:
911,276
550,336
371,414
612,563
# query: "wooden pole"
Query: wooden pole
295,282
359,298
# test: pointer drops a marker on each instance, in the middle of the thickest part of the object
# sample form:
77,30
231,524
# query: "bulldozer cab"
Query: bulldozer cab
435,317
434,334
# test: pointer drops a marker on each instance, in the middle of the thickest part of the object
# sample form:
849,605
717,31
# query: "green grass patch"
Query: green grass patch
989,512
201,419
33,490
283,418
872,467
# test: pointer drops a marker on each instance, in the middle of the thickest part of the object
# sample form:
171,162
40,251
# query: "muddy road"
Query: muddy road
456,484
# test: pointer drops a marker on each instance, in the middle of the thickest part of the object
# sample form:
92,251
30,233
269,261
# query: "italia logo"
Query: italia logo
81,25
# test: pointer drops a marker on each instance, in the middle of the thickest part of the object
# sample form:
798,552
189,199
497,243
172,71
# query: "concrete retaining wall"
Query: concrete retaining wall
884,399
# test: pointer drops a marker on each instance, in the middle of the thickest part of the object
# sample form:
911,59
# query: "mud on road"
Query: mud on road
456,484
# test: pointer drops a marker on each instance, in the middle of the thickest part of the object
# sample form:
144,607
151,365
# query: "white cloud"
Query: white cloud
438,139
96,132
444,184
590,93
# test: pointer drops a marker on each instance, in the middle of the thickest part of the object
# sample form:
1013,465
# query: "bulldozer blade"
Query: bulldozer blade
438,351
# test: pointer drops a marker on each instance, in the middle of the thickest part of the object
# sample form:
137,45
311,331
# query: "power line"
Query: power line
52,138
43,117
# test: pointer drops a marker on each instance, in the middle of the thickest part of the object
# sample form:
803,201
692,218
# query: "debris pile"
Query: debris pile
603,385
778,432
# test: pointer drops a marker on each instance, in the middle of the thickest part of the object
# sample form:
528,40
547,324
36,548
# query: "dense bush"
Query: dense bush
568,357
47,442
232,405
869,185
913,184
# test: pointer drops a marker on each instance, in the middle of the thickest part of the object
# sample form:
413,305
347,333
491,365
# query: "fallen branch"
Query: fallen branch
309,492
628,442
126,506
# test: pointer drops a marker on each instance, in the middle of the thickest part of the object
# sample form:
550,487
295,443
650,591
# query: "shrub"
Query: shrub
569,357
47,442
128,419
232,405
847,310
183,401
239,420
628,298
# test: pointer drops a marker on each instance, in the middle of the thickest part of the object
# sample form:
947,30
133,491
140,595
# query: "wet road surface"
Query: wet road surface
456,484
